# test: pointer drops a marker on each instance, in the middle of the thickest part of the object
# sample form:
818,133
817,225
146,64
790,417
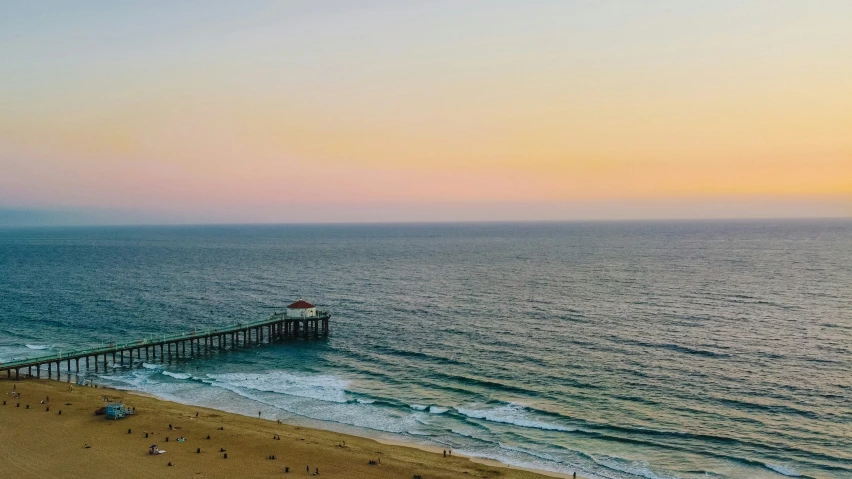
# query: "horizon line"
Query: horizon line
440,222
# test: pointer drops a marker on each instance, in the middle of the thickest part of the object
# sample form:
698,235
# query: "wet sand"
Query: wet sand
37,443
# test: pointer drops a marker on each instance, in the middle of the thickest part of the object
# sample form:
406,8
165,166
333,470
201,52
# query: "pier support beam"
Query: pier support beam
277,327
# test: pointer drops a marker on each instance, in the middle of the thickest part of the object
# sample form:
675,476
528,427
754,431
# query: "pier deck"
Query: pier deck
278,326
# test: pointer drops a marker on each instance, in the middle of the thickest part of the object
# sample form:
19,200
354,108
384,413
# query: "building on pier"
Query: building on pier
301,309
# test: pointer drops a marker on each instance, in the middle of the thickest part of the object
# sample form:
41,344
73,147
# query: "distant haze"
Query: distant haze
267,111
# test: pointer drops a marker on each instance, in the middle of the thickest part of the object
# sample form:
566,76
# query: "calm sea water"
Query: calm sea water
617,350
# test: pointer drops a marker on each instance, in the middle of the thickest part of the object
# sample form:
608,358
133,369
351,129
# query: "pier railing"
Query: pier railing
278,320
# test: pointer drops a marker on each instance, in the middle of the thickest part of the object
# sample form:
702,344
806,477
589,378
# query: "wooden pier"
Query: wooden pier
277,327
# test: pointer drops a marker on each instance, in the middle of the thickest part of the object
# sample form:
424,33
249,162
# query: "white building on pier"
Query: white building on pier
301,309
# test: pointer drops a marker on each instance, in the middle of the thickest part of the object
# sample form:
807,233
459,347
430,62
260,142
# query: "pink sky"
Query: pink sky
272,112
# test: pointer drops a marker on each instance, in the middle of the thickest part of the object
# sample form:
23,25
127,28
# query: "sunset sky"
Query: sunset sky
324,111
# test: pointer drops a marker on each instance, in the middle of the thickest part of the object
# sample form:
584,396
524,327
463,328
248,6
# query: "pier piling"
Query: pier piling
278,327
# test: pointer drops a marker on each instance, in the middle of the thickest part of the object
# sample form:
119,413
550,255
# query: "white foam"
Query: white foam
152,366
365,401
350,413
636,468
176,375
519,457
321,387
459,432
511,414
418,407
783,470
37,346
438,410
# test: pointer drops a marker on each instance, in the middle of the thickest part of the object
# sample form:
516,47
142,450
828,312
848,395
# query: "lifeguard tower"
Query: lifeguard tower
117,410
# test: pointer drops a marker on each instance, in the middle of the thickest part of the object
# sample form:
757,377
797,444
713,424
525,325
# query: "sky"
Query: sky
153,112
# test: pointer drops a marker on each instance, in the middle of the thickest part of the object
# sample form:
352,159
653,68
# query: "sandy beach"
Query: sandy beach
44,433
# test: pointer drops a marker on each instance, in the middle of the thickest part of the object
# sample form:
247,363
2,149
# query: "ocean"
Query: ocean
619,350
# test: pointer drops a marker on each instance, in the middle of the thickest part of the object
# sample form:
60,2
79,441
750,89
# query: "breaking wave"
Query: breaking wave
511,414
783,470
321,387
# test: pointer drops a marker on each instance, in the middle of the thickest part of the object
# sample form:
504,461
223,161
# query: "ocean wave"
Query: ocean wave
321,387
635,468
783,470
365,401
418,407
511,413
152,366
486,383
348,413
525,458
176,375
37,346
438,409
418,355
672,347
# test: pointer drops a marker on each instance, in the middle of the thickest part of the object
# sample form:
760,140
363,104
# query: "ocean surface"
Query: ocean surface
616,350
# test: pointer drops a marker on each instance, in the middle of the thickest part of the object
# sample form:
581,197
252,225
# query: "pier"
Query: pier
278,327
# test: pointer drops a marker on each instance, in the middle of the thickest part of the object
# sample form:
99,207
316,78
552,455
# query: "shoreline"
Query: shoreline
66,423
381,440
475,459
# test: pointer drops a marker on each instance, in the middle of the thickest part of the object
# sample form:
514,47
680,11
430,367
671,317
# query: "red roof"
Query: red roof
300,304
